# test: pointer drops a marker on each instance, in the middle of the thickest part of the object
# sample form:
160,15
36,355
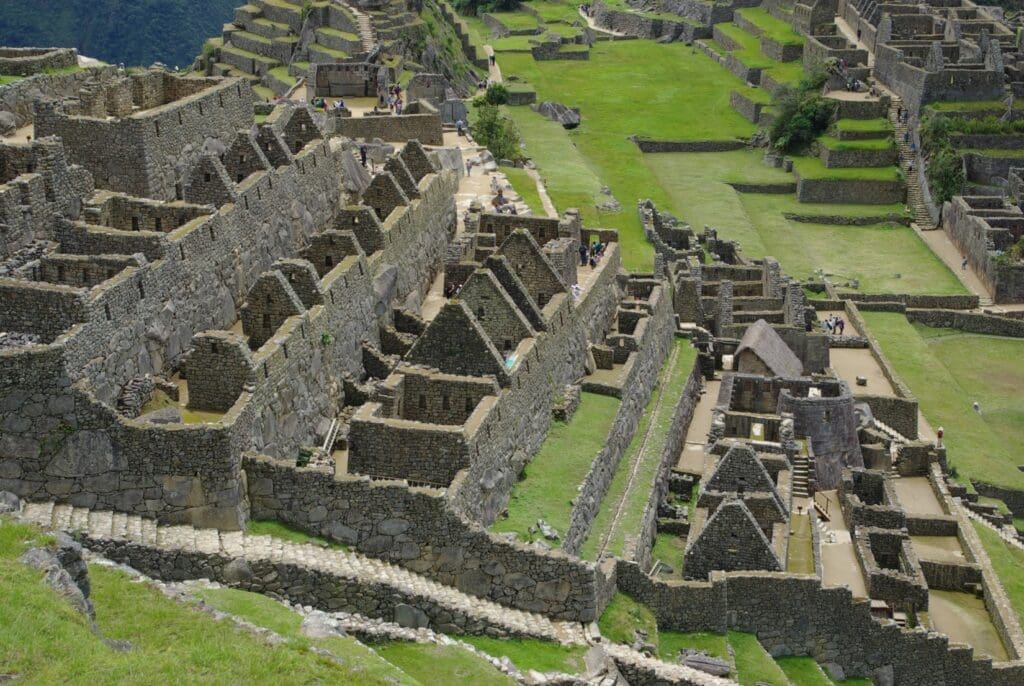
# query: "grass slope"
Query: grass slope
947,371
624,89
550,481
526,653
1007,563
432,664
46,642
526,187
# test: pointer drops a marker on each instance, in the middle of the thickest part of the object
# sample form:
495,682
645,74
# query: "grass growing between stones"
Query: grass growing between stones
803,671
670,549
948,370
671,642
623,617
549,482
526,187
624,90
630,489
525,653
275,529
1007,563
753,664
433,664
45,642
775,29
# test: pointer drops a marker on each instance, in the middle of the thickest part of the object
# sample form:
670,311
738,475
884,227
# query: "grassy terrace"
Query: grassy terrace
629,491
975,106
528,653
749,53
550,481
879,125
525,186
514,43
772,28
553,12
814,168
576,164
699,183
993,152
948,370
1007,563
516,21
800,557
275,529
44,641
870,144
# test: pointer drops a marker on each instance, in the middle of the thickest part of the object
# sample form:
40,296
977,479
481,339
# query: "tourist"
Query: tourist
398,106
840,326
493,59
495,188
583,254
910,167
977,407
963,263
826,324
858,35
939,433
906,137
362,155
460,128
899,112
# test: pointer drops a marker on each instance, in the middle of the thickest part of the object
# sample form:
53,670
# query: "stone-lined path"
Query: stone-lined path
140,534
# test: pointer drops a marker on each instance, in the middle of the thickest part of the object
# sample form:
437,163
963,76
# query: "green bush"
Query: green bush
497,94
477,7
497,132
945,174
801,114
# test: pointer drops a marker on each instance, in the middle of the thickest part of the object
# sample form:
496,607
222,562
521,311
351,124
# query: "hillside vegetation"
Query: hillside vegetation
133,32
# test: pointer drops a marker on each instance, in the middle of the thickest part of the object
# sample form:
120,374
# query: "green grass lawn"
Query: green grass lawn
527,653
550,481
632,499
671,642
268,527
45,642
552,12
753,664
869,144
1008,563
948,371
699,183
775,29
515,21
803,671
513,44
814,168
623,617
432,664
959,106
525,186
880,125
622,91
670,549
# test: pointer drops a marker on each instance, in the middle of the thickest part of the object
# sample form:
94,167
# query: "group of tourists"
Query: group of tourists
834,325
392,98
592,255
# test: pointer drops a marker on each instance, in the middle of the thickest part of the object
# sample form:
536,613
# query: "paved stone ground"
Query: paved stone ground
103,525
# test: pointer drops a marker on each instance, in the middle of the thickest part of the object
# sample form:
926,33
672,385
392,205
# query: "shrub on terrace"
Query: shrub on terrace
802,114
497,132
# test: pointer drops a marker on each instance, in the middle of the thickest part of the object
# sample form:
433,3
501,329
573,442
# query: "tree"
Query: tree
945,174
497,132
801,114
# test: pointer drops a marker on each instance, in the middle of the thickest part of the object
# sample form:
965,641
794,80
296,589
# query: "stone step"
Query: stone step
105,525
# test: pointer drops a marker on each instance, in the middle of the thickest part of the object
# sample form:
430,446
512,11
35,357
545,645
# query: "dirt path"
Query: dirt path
943,247
493,69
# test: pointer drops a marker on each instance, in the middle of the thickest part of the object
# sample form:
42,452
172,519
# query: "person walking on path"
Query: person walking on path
583,254
362,155
963,263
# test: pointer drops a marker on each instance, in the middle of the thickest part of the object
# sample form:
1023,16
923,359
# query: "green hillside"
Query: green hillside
133,32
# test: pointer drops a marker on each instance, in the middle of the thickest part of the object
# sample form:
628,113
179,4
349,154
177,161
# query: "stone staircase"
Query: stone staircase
364,25
801,477
167,551
1008,533
892,433
915,197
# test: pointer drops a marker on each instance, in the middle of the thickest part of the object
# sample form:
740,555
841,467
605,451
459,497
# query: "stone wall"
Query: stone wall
19,97
143,154
641,26
426,128
28,61
971,322
795,615
855,157
415,528
849,191
654,146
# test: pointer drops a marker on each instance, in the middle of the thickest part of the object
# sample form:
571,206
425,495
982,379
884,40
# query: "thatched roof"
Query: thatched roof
762,340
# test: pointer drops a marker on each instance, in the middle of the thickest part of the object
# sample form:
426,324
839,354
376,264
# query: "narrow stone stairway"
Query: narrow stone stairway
366,33
801,477
915,198
142,539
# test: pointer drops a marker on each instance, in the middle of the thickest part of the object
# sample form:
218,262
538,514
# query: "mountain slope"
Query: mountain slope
132,32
